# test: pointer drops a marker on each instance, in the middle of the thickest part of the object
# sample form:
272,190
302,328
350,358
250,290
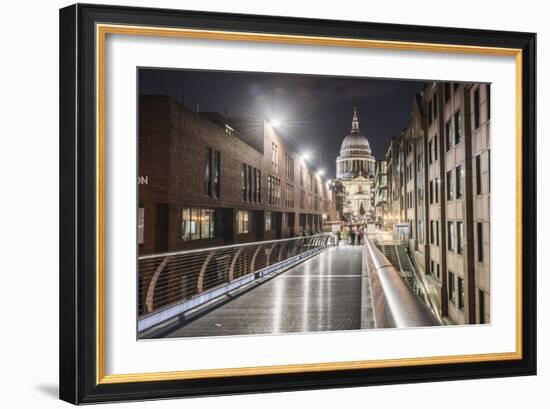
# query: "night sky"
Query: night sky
315,112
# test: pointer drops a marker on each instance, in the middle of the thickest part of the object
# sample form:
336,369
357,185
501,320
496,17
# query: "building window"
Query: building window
430,155
289,168
478,174
450,236
274,157
212,173
432,267
447,92
459,238
437,233
448,136
450,192
141,224
476,109
434,99
432,238
243,221
438,271
268,221
302,177
207,223
479,242
274,191
458,177
289,196
302,199
244,182
460,293
451,287
436,187
197,224
431,191
458,132
258,186
208,172
435,147
216,174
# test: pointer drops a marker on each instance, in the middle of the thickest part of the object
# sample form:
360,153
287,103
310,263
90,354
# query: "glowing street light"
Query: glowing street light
321,172
305,156
275,123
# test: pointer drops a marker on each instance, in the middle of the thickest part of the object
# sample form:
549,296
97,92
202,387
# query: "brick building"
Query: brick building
207,180
438,174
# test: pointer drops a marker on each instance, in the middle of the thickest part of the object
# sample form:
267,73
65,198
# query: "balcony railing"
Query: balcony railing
193,277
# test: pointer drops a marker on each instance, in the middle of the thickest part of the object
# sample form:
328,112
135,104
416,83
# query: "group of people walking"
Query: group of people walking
353,234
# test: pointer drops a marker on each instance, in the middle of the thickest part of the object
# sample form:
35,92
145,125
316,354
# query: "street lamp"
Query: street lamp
321,172
275,123
305,156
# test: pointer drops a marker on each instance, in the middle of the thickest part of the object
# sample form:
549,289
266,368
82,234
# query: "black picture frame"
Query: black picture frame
78,197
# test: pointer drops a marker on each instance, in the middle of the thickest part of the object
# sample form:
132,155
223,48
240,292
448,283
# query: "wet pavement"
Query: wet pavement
321,294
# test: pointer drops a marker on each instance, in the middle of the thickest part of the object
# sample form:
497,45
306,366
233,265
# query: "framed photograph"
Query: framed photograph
257,203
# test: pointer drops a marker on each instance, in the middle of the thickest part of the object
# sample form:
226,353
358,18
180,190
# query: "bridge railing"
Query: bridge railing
177,277
395,305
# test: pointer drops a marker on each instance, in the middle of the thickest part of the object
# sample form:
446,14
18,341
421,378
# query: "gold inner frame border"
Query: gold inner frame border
102,30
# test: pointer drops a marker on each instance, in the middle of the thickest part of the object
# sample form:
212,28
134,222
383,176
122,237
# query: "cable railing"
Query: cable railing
174,278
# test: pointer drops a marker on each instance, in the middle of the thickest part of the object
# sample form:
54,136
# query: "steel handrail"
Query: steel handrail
395,305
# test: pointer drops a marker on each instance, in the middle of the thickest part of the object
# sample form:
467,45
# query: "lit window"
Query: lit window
243,223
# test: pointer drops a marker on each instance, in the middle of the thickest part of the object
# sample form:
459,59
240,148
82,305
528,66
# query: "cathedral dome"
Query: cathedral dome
355,144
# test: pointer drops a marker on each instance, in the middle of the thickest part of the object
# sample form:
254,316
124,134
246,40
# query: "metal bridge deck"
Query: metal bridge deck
321,294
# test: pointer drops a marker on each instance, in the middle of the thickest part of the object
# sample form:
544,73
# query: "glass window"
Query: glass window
197,224
208,172
458,177
459,238
141,224
458,132
216,175
447,92
268,221
450,236
450,193
478,174
448,136
207,223
243,225
460,293
451,287
244,182
476,109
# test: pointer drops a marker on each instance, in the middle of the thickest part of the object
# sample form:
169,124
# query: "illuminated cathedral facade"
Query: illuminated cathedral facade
355,168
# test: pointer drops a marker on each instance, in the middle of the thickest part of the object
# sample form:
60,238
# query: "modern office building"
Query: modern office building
207,180
438,173
355,171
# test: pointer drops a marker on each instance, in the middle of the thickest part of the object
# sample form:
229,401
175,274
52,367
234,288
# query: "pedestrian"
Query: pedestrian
352,236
